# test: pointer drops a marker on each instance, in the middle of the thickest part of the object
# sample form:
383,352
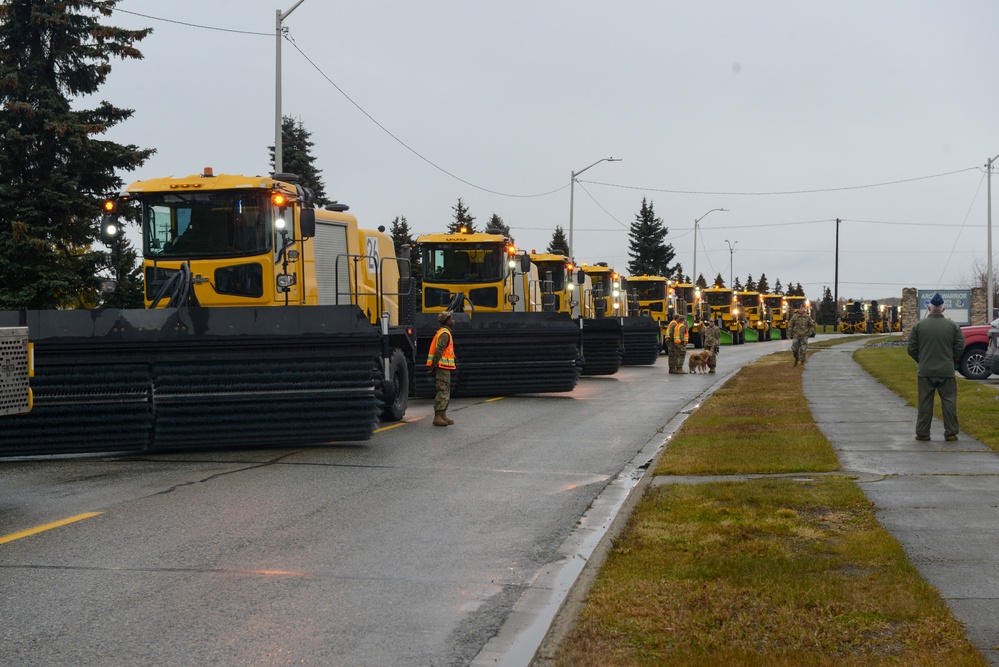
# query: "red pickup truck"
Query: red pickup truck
972,362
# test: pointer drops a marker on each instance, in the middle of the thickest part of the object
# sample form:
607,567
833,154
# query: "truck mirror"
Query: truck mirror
307,222
525,263
580,277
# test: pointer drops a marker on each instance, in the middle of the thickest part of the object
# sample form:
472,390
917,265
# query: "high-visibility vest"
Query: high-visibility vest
677,339
447,358
670,329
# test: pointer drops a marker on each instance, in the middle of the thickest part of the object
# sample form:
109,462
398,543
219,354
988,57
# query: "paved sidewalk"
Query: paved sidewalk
939,499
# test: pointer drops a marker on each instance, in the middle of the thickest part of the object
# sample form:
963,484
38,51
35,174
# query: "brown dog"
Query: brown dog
698,362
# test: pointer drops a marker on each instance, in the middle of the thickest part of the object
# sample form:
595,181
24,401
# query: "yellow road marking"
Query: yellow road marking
47,526
498,398
389,427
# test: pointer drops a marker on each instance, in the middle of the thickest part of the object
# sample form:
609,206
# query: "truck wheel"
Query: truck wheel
396,389
972,365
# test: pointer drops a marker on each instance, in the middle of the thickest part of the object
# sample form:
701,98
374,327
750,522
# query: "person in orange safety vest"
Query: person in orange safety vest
440,362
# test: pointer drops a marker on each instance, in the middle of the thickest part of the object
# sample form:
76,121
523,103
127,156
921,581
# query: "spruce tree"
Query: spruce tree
496,222
762,286
778,288
402,235
719,281
701,282
827,309
736,285
297,158
559,245
678,274
650,254
750,284
462,218
54,171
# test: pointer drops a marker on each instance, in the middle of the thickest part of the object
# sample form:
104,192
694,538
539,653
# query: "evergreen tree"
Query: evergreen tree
462,218
496,222
401,235
54,172
750,284
778,288
124,264
736,285
827,308
559,245
799,290
650,254
719,281
678,273
761,285
297,158
701,282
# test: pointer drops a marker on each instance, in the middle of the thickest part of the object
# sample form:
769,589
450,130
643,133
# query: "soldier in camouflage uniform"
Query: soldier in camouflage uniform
712,339
800,327
440,362
679,351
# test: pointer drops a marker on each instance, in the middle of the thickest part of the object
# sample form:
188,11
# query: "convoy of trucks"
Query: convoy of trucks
269,321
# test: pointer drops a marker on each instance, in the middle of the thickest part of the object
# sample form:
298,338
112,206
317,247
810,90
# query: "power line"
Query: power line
408,147
193,25
784,192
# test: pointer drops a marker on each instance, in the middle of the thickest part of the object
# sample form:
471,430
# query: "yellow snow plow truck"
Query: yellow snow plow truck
268,323
504,342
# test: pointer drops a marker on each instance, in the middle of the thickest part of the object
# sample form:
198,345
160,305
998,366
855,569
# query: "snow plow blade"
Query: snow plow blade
196,378
501,354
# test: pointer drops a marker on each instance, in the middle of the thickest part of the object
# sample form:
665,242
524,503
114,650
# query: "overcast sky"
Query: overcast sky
789,114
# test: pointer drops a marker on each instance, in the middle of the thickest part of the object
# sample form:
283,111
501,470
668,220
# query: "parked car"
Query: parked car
976,343
992,353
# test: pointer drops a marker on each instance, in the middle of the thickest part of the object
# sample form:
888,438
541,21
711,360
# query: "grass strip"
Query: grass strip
976,404
765,572
758,422
762,572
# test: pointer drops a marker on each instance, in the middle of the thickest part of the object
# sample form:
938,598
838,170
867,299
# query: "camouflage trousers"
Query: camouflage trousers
442,380
677,354
799,347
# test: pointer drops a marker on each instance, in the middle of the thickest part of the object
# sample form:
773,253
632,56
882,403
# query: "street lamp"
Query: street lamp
281,16
693,275
989,282
572,187
731,250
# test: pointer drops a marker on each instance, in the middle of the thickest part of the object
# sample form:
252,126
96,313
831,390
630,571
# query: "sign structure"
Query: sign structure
957,304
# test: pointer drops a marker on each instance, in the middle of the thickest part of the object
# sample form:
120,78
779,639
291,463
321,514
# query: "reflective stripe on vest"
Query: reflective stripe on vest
447,358
676,334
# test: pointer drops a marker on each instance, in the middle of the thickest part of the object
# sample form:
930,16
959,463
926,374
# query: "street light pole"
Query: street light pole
281,16
731,251
989,281
572,189
693,275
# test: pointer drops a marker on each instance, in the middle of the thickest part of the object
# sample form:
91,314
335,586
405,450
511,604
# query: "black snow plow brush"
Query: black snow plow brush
642,341
196,378
603,346
500,354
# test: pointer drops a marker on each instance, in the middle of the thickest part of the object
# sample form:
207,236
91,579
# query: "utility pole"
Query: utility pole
990,279
693,275
836,278
731,250
572,190
278,30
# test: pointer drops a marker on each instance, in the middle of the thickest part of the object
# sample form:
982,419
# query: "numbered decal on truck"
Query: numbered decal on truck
372,253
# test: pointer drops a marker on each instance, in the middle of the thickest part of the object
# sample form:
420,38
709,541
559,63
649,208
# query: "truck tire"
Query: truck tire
972,364
396,389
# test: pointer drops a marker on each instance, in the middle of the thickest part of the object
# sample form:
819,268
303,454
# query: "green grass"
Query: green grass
977,404
741,429
764,572
768,572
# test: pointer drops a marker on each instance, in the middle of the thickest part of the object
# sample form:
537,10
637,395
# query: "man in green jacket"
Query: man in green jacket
935,342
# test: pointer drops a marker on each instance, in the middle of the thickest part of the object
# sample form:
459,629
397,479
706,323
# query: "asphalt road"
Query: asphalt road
410,549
